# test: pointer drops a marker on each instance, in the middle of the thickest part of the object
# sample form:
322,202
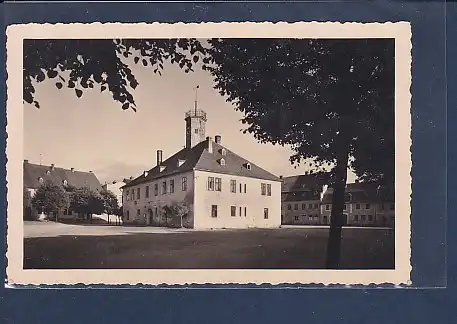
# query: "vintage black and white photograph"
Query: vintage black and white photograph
215,153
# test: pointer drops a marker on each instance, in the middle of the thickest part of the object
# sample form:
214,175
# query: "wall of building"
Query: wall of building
149,210
364,214
252,200
301,212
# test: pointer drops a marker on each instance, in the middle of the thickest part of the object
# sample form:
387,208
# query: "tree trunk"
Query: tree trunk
337,219
108,218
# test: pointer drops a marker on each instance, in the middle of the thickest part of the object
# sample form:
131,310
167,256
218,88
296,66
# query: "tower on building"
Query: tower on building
195,125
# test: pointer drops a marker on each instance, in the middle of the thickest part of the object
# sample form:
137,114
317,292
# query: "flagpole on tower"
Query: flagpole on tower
196,99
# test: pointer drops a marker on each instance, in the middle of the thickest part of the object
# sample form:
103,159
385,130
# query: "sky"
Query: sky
93,133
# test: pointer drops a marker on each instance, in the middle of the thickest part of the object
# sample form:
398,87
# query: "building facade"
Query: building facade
301,199
365,205
220,188
36,175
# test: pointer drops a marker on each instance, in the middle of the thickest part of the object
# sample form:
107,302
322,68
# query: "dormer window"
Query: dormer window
65,182
248,166
181,162
223,152
162,167
48,172
40,180
222,162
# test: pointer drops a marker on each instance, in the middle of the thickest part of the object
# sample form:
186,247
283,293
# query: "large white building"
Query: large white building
220,188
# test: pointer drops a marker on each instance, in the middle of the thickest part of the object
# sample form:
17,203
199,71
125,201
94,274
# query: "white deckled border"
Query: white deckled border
401,31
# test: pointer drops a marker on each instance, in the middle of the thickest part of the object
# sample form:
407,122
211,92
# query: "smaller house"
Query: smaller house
365,205
301,199
37,174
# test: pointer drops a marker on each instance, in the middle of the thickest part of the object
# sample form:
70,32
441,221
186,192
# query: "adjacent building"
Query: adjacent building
365,205
220,188
37,174
301,199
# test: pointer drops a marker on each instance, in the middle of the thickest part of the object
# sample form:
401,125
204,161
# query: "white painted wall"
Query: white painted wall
252,200
152,202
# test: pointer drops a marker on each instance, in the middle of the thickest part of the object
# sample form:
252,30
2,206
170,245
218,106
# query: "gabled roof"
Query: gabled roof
305,182
363,193
79,179
198,158
300,196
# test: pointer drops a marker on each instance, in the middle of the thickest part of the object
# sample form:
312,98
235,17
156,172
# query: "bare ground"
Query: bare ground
300,248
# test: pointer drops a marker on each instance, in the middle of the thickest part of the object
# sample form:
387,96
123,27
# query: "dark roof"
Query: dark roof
79,179
363,193
314,181
300,195
198,158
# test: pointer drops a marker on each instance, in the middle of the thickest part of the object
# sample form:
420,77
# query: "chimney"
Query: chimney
280,177
218,139
159,157
90,171
52,167
26,161
72,169
209,145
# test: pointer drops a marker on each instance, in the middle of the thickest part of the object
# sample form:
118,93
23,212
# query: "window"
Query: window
296,218
370,218
316,206
213,210
211,183
244,188
296,206
132,194
265,213
127,195
345,207
356,218
233,210
196,131
172,185
363,217
303,206
245,211
248,166
310,206
263,188
222,162
218,184
241,188
156,189
268,189
40,180
233,186
223,152
367,206
164,187
127,215
289,207
184,183
146,194
137,193
65,211
65,182
138,212
327,207
240,211
357,206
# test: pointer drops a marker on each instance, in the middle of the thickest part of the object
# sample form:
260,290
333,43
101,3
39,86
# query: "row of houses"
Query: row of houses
221,190
307,200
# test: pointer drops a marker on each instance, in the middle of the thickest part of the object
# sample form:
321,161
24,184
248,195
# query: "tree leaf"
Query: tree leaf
103,88
37,104
145,63
195,59
125,106
79,93
59,85
136,59
52,74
